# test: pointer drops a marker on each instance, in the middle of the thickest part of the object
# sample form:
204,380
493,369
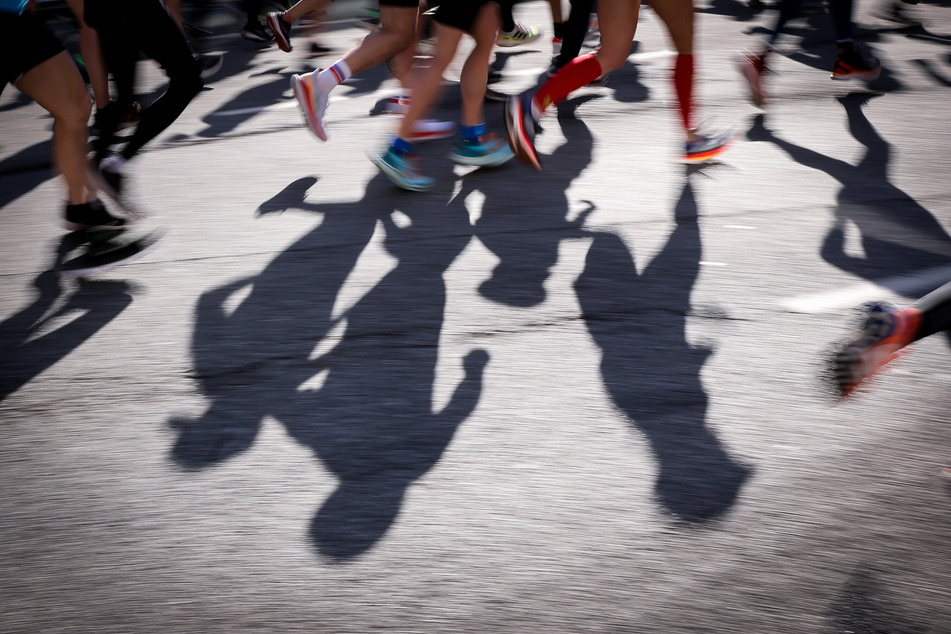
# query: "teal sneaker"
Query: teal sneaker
403,169
488,151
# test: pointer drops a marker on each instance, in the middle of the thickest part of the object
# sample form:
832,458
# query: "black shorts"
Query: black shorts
459,14
25,42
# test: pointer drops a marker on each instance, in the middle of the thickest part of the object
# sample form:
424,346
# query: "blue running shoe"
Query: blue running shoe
403,169
486,151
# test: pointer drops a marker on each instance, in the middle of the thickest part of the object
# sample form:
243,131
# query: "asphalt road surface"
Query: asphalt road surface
583,400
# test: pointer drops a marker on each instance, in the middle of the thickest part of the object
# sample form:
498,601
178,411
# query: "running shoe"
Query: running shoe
396,105
521,34
403,169
521,127
753,67
487,151
209,64
256,33
110,168
886,330
281,31
431,130
851,62
556,43
707,147
312,102
90,215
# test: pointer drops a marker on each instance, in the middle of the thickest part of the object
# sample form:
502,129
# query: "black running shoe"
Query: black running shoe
90,215
281,31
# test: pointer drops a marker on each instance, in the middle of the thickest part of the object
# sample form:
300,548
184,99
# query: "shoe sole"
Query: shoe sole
867,75
511,43
480,161
396,178
273,23
303,96
704,157
521,147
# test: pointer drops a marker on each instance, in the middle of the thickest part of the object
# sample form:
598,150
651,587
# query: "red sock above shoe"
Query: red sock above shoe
683,85
579,72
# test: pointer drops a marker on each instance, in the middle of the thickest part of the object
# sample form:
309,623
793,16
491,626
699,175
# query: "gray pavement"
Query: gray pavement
582,400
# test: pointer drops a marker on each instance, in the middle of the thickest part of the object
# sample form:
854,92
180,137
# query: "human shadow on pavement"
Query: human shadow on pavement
638,319
528,250
246,105
29,168
897,235
866,604
350,378
60,319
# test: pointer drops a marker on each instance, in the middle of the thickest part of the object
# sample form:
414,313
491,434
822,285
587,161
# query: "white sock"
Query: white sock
330,78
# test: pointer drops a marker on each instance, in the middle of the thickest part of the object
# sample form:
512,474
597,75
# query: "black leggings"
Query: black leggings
935,308
126,28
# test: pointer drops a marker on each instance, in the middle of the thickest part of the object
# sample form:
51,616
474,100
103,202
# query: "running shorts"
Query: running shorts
25,42
459,14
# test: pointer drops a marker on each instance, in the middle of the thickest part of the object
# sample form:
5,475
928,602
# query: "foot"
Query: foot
486,151
886,331
403,169
521,126
91,215
753,68
851,62
703,147
312,102
280,30
521,34
209,64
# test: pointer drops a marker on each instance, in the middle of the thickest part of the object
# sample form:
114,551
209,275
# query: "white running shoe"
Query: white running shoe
312,102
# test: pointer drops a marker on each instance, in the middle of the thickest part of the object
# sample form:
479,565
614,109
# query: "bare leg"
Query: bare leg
302,8
430,84
57,86
396,35
618,20
476,69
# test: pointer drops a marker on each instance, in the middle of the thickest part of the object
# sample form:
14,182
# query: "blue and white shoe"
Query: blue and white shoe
486,151
403,169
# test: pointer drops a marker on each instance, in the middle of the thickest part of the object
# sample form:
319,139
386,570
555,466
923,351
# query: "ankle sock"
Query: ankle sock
473,132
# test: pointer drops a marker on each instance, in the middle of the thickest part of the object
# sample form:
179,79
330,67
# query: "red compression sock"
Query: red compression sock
683,84
577,73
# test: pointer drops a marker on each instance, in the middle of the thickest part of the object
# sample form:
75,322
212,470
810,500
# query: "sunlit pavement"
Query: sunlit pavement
583,400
